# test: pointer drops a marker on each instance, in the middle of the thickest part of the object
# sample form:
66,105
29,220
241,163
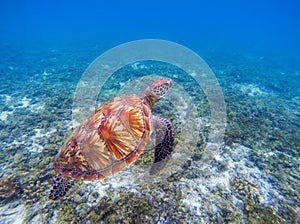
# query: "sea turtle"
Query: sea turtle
113,137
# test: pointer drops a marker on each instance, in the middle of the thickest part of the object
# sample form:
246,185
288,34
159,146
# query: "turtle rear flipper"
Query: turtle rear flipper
60,187
164,132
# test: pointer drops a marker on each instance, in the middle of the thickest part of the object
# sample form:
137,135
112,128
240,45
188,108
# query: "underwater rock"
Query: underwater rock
246,190
9,188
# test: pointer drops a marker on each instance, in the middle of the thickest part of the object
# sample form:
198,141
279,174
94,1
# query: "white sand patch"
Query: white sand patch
46,73
17,104
18,142
128,178
122,84
195,191
4,115
23,103
251,89
36,146
12,215
37,107
138,65
193,201
5,98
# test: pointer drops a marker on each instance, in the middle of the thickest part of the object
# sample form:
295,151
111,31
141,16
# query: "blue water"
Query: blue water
266,26
252,48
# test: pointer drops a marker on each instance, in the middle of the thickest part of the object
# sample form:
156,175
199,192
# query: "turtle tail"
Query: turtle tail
60,187
157,90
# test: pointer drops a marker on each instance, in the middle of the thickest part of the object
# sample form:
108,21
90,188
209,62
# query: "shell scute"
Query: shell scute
117,138
95,121
112,107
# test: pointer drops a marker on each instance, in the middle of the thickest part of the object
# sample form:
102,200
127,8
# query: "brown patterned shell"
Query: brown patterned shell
108,141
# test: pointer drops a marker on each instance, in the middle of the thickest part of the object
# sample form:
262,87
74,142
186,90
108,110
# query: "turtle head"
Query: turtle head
157,90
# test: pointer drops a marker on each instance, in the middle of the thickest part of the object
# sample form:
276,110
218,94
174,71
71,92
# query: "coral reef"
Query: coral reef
33,191
247,191
253,179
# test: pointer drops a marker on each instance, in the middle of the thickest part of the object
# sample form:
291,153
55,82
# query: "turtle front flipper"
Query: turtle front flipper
164,133
60,187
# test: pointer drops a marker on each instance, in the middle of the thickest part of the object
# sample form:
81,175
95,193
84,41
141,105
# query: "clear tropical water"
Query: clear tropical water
252,49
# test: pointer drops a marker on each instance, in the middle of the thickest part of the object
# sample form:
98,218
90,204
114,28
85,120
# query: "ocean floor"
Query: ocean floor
253,177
